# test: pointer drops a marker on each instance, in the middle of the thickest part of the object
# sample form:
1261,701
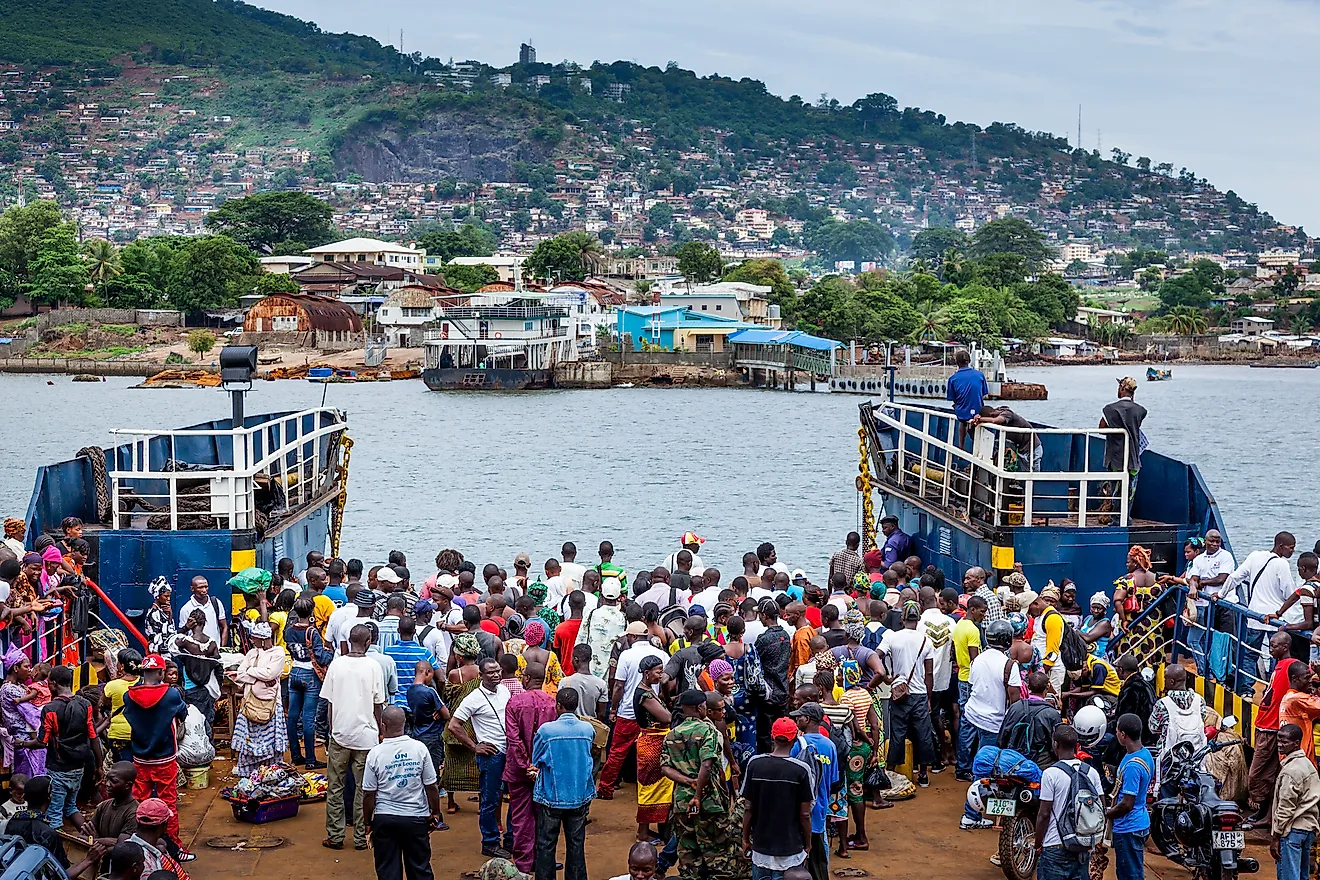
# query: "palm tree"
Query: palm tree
591,255
1300,326
102,260
932,321
1186,321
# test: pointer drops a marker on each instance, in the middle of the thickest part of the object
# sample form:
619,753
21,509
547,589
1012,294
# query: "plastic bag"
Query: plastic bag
251,580
196,749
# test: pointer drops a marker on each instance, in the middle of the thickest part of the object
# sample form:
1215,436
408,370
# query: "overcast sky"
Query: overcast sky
1222,87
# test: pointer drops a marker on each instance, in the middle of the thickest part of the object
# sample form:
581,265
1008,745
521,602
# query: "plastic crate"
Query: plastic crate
261,812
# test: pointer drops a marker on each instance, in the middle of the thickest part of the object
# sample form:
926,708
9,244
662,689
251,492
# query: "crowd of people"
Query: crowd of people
761,720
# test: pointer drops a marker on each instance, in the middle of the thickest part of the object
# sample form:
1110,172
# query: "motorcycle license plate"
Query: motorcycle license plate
1229,839
1002,807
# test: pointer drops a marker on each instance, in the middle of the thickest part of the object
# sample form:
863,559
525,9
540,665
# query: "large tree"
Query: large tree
212,271
58,272
1011,235
699,263
267,220
766,272
468,240
21,235
932,244
857,241
568,257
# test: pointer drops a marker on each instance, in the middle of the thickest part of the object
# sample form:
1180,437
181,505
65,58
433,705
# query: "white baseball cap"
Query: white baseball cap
610,588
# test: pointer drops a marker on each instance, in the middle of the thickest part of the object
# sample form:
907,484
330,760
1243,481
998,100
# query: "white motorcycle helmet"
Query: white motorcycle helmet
976,794
1091,724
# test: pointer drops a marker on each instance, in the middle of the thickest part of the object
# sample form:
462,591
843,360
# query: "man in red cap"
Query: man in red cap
156,713
778,791
153,817
691,542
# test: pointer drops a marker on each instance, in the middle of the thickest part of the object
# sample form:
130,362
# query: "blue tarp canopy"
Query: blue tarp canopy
783,337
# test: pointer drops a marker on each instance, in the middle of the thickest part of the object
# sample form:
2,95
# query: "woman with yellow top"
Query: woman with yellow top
118,732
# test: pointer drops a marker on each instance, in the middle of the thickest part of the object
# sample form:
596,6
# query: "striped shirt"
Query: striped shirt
405,656
995,610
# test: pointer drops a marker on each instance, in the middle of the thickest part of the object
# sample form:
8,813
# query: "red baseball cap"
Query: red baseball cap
784,728
153,661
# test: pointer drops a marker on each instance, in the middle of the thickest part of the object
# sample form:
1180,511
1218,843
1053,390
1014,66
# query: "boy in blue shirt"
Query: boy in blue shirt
817,748
1129,815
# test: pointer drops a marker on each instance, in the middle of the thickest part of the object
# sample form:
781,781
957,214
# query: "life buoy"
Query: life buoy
499,335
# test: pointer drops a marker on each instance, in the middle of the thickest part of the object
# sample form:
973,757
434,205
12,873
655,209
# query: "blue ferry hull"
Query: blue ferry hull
126,560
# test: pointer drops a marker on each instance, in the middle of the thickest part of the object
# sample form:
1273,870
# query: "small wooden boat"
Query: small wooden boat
1154,375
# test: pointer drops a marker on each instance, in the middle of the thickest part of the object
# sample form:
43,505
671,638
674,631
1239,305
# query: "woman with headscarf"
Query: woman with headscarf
863,760
543,611
102,647
872,573
1097,629
460,770
261,733
15,533
535,634
158,625
24,590
748,683
655,791
21,718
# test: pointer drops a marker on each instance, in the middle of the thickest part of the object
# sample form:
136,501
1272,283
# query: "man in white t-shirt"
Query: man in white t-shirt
937,625
554,583
400,800
910,660
1206,575
627,677
354,689
570,572
1262,582
1055,786
484,709
994,682
217,622
691,542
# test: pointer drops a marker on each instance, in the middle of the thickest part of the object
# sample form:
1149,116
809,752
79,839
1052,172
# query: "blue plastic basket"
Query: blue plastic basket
260,812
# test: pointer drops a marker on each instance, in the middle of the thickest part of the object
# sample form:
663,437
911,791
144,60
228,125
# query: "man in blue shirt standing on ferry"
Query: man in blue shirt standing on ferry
967,389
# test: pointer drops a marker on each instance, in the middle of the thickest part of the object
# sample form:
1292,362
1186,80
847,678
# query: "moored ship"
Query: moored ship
984,506
210,499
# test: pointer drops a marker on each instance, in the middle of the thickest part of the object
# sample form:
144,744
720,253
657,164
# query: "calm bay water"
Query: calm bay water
495,474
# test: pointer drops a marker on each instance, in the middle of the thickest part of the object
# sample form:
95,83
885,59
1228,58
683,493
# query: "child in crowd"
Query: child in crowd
509,672
39,685
17,799
115,818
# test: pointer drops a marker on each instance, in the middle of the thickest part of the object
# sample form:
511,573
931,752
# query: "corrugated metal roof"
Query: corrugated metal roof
784,337
323,312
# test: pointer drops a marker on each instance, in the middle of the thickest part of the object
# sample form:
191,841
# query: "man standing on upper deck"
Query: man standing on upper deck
967,389
1127,414
898,543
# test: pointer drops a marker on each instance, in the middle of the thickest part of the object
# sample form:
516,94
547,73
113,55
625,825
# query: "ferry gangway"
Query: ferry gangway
293,460
1232,666
991,484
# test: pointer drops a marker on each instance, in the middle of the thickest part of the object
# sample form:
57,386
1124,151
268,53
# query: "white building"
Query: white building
1252,326
284,265
371,251
507,265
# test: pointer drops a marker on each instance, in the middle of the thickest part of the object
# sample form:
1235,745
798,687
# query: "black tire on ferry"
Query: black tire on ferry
1017,848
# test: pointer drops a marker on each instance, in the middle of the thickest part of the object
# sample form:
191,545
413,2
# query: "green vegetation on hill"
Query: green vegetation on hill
223,33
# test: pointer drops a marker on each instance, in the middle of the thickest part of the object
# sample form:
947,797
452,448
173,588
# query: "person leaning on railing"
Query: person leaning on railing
1301,630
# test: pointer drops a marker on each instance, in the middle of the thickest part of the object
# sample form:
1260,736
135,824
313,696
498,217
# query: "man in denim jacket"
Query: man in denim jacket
561,759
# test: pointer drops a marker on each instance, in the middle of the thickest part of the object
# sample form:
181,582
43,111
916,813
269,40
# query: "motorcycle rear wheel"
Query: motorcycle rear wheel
1017,848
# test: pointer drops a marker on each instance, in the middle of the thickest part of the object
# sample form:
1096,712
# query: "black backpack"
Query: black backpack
1072,647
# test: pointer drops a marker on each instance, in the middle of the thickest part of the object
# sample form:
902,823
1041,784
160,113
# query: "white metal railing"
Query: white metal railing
286,449
981,484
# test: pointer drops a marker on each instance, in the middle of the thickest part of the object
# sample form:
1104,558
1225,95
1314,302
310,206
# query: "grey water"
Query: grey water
493,474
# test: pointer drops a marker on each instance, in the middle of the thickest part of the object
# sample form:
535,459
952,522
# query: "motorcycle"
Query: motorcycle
1191,824
1012,802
